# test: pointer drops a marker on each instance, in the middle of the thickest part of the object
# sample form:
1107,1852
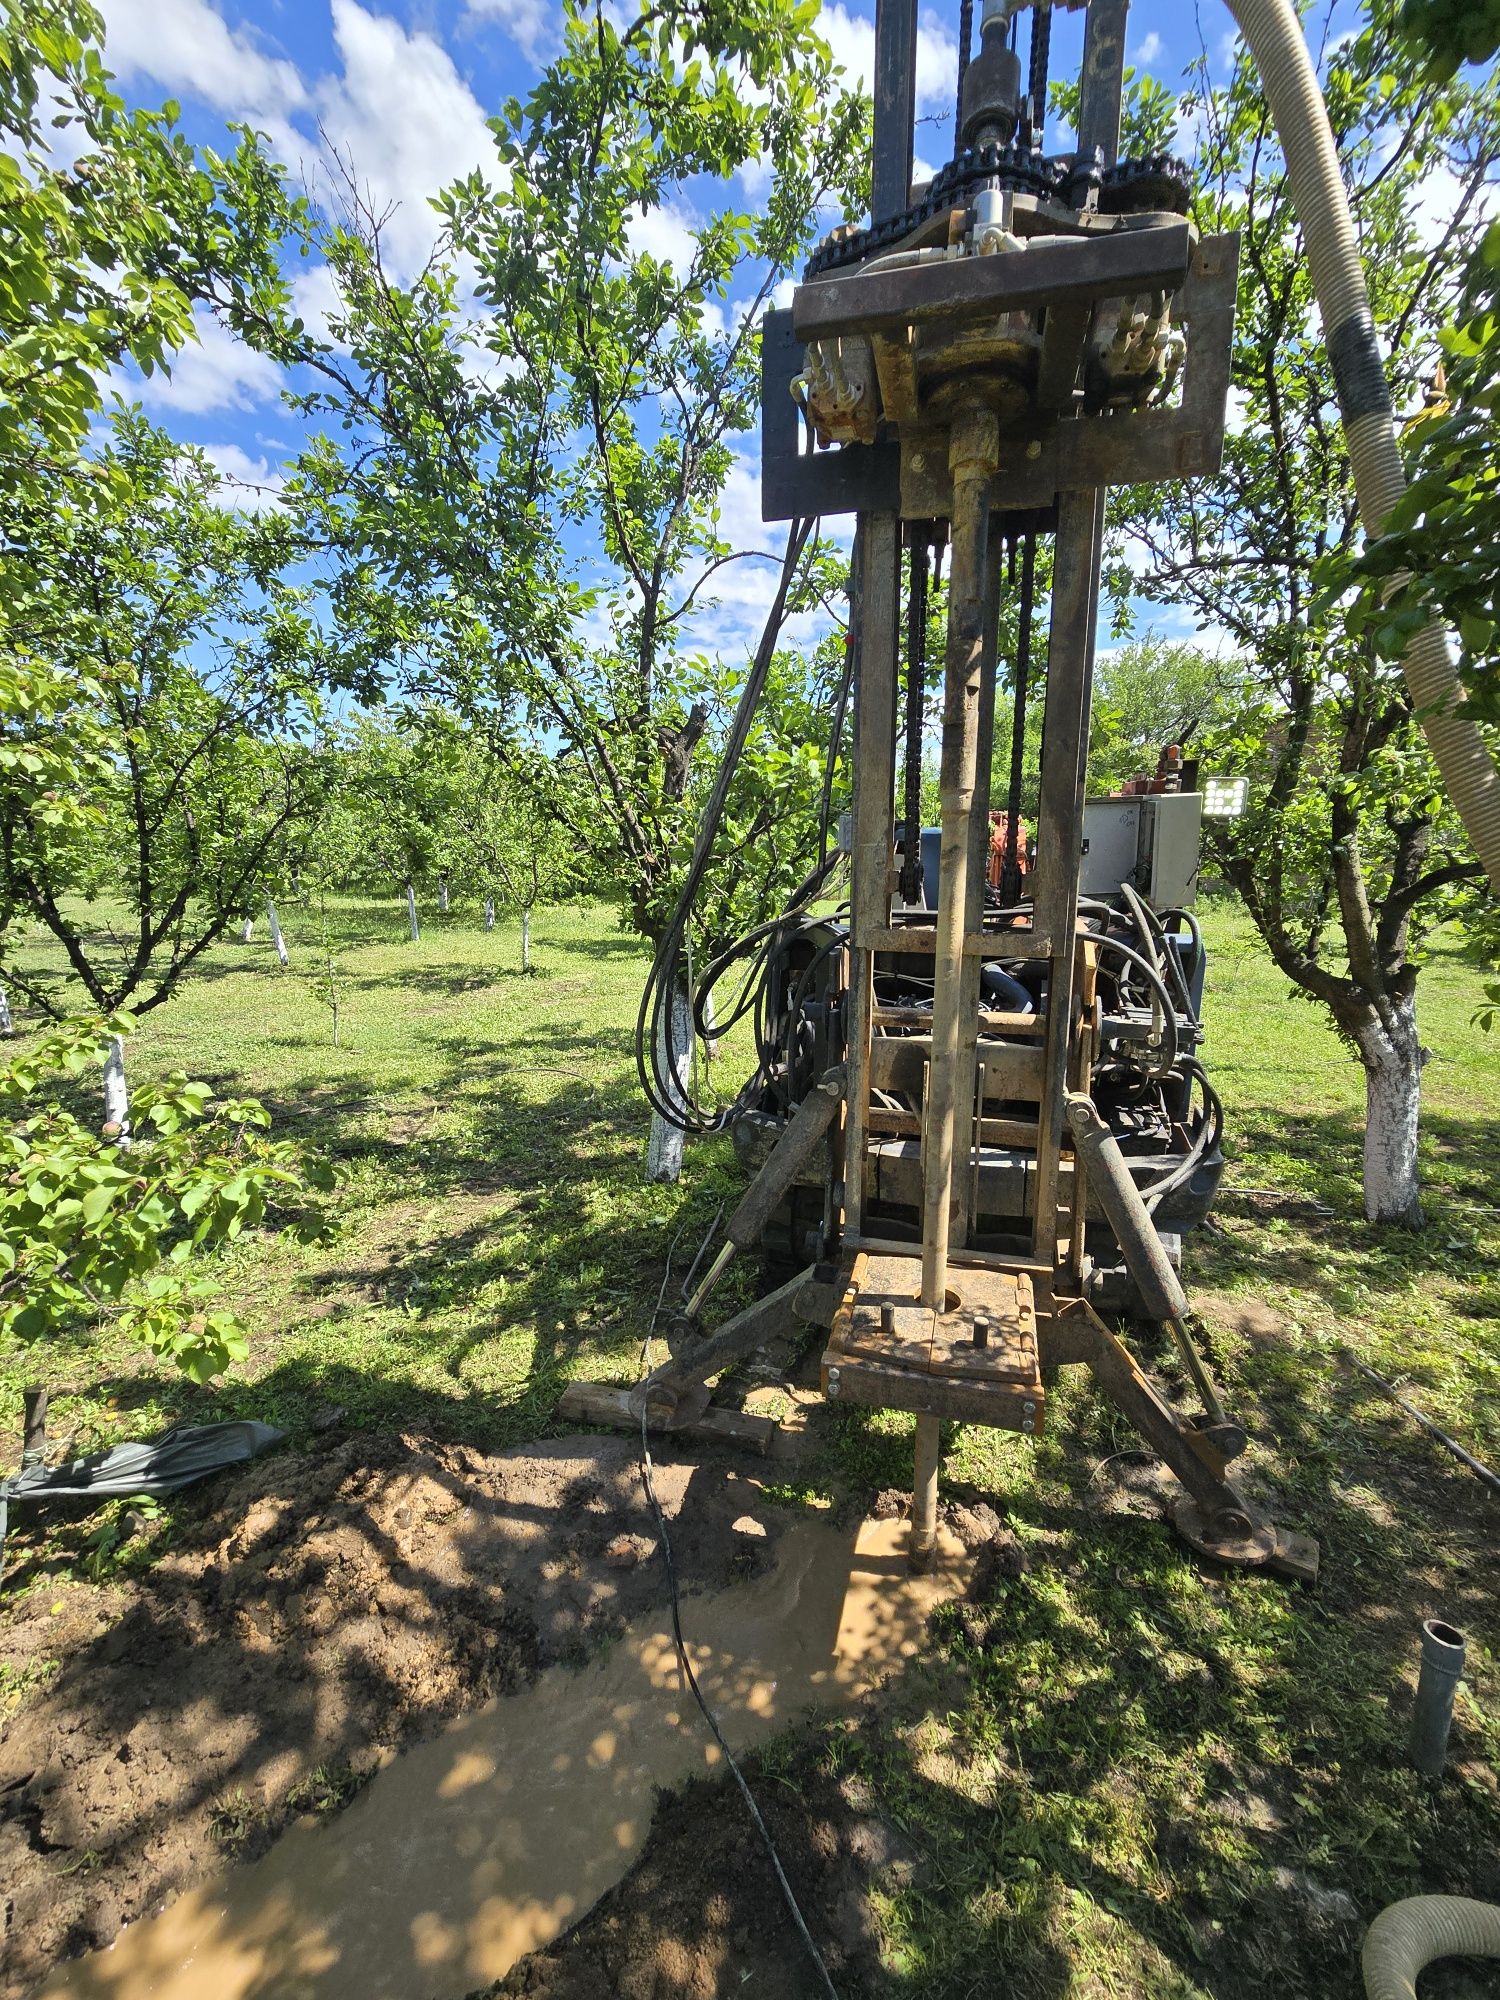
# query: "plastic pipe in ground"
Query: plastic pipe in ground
1407,1937
1437,1683
1275,38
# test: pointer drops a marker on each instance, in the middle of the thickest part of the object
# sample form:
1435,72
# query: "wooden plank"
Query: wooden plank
921,940
1010,1069
1006,1025
1049,271
992,1131
608,1406
1001,1405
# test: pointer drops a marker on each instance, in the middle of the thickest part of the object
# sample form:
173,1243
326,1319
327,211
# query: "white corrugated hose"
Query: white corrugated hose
1274,35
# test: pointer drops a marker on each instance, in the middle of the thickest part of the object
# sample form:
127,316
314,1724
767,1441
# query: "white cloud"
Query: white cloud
665,233
315,300
852,41
187,47
251,485
533,25
1150,48
215,372
405,121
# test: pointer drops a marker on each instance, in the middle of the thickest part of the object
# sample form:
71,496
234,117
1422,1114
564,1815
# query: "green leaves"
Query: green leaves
87,1230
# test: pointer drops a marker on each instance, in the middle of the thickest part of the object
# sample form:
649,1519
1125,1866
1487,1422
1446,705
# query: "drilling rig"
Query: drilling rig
980,1118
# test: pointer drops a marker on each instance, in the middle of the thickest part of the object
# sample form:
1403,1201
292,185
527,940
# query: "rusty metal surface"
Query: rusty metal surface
887,1349
1051,270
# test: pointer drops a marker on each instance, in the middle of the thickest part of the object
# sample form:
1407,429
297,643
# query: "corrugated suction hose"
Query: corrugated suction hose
1409,1936
1275,39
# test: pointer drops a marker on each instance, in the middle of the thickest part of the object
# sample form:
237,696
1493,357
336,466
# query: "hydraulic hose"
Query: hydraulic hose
1410,1935
1275,39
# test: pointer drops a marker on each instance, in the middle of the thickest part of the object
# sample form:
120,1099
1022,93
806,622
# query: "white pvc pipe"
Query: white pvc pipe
1275,38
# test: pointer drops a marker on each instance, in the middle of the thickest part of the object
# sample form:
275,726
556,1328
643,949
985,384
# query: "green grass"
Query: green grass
1126,1776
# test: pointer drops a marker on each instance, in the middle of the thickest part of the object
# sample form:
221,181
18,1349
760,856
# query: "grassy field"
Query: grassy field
1125,1776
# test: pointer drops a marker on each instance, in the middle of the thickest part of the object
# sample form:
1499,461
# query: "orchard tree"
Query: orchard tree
159,744
508,828
527,487
112,227
1152,691
1348,855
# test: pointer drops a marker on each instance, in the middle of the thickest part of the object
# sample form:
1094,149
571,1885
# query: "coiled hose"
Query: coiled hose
1409,1936
1275,39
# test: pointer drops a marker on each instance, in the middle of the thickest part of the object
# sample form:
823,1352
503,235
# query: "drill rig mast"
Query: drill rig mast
968,376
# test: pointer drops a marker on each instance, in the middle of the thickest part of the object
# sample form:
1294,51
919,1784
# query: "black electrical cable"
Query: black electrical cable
916,679
1010,867
665,1094
1036,83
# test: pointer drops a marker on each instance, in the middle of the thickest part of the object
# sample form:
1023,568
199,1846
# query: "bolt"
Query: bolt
1034,448
833,1381
887,1318
981,1330
919,461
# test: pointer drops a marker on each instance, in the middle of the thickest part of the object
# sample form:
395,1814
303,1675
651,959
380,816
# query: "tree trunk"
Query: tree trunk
247,930
489,913
664,1151
411,915
443,895
526,940
276,938
116,1096
7,1025
1393,1057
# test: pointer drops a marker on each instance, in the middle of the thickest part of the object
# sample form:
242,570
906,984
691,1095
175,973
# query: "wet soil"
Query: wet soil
701,1916
316,1612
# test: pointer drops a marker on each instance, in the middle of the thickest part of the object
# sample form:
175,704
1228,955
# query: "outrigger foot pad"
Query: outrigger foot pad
1244,1543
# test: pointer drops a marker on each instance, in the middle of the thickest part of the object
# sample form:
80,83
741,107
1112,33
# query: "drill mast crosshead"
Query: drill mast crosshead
968,376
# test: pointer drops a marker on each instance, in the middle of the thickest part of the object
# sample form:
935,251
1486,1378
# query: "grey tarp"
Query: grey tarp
178,1457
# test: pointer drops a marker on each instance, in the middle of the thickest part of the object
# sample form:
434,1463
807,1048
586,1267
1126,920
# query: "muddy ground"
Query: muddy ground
312,1613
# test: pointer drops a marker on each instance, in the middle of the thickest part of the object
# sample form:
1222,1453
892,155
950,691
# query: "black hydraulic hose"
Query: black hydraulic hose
1210,1131
1153,935
1010,867
665,1094
1166,1062
1170,919
916,678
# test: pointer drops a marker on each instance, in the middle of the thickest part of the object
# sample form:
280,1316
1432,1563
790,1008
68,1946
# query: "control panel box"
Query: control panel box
1152,840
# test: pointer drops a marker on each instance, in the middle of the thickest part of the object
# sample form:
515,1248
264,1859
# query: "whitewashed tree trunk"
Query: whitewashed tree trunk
489,913
116,1096
526,940
7,1025
443,894
1393,1057
710,1022
411,914
276,938
664,1149
247,930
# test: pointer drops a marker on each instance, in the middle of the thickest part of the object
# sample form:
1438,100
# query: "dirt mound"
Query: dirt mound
700,1915
321,1610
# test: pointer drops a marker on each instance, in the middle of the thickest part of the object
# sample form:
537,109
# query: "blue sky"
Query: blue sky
402,89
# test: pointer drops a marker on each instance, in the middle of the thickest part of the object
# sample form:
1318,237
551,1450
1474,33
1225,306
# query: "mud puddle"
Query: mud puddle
478,1846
